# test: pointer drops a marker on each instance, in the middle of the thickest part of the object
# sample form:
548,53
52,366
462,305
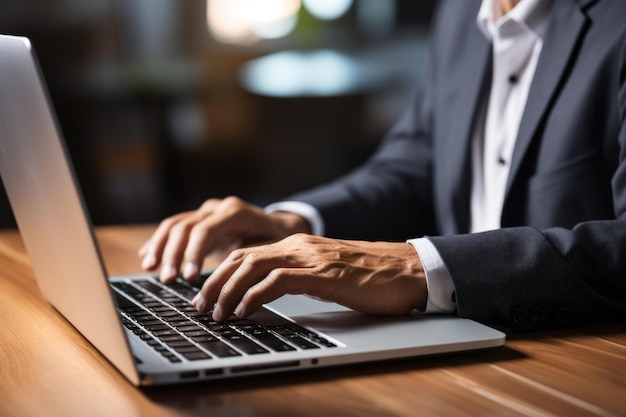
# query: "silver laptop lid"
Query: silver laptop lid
47,205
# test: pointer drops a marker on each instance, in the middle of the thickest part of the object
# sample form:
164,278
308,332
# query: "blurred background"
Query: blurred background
165,103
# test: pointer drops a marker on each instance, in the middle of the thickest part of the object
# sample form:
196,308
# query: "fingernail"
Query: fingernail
167,273
239,310
217,312
198,302
190,270
148,261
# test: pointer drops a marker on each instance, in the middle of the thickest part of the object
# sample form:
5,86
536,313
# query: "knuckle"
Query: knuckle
252,297
200,229
300,239
181,227
305,237
237,255
170,222
250,261
226,290
233,203
291,239
276,277
209,204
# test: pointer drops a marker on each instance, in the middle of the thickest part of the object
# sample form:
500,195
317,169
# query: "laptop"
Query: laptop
148,330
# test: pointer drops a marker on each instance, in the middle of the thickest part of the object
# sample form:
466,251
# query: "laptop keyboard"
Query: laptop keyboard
162,316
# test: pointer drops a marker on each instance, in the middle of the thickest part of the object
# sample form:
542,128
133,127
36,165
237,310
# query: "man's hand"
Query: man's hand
372,277
181,242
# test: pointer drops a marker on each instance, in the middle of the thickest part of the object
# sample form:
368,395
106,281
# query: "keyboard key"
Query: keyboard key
302,343
190,328
171,357
184,290
277,344
167,332
204,338
150,321
188,348
219,349
155,328
182,343
246,345
196,355
178,323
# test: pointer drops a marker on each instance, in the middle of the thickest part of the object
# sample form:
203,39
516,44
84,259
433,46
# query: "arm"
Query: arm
529,279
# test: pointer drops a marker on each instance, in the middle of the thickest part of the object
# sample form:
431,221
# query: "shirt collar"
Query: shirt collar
532,14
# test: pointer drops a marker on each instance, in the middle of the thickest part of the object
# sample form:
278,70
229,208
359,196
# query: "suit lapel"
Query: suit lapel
566,25
477,75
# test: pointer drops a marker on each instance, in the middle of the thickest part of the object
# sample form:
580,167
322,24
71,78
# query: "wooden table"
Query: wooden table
47,369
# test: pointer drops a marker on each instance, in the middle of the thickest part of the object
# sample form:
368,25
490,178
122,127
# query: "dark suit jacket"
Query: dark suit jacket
560,257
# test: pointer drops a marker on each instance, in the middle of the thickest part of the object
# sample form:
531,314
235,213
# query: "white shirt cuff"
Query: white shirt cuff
438,281
307,211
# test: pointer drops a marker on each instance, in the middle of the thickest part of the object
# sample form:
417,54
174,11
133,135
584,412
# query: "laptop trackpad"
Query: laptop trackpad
327,316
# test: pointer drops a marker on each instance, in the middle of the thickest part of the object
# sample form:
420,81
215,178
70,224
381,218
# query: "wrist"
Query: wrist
416,268
440,288
290,222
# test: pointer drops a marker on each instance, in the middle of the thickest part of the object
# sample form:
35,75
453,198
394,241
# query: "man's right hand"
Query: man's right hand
181,242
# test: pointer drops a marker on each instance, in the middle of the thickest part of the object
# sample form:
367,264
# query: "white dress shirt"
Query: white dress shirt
517,39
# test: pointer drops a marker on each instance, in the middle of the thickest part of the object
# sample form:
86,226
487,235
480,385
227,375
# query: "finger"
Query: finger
150,253
152,250
267,265
230,221
231,280
252,268
278,282
208,294
220,227
175,247
195,251
203,238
